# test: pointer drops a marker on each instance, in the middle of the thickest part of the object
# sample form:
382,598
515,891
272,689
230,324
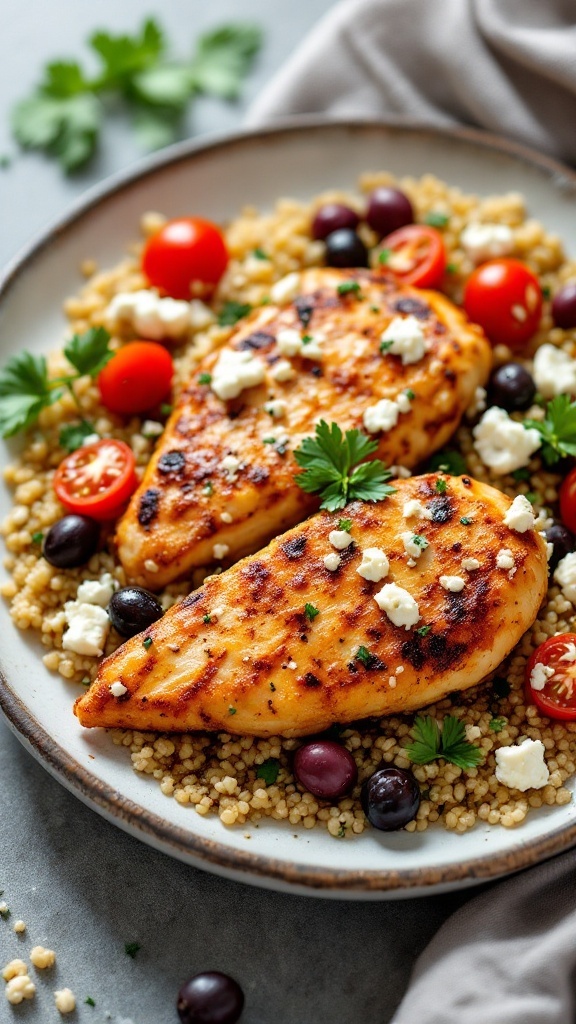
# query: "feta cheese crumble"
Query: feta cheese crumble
399,605
414,545
470,564
374,565
234,372
230,464
340,539
483,242
505,559
282,371
289,342
88,627
154,317
286,289
540,675
554,371
520,515
97,591
332,561
413,508
276,408
118,689
522,766
384,414
406,339
452,583
503,444
565,576
219,551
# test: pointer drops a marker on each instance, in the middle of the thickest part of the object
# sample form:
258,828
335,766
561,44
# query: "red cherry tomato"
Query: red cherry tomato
416,255
183,251
568,501
136,378
554,693
97,479
505,298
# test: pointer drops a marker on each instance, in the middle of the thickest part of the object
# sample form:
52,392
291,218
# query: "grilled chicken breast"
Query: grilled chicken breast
221,482
282,645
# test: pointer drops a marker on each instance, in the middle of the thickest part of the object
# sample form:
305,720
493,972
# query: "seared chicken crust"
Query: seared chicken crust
243,655
191,509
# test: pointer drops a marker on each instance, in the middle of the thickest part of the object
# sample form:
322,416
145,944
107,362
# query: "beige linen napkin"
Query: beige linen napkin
505,65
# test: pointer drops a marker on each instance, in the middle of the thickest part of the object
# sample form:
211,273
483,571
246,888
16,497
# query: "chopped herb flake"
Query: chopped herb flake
374,309
385,346
260,254
231,710
435,219
423,630
447,461
268,440
341,832
207,619
532,497
466,521
349,288
165,408
521,474
420,541
345,524
89,1001
384,255
131,948
231,312
410,395
441,486
497,724
147,643
451,268
546,291
204,378
37,537
269,770
311,612
306,339
364,656
208,487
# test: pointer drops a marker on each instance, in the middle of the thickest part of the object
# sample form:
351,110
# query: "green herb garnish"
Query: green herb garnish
436,219
374,309
208,487
64,115
37,537
532,497
448,461
349,288
206,619
334,468
557,429
260,254
89,1001
430,743
166,408
345,524
546,291
451,268
423,630
147,643
341,833
441,486
497,724
385,346
232,312
232,711
73,435
466,521
25,388
269,770
311,612
204,378
410,395
367,659
268,440
384,255
131,948
419,541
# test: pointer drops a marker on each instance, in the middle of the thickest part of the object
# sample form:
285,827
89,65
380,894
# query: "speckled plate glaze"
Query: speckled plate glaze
215,178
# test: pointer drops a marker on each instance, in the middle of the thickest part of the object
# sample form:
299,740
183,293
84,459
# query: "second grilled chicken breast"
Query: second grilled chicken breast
221,482
424,593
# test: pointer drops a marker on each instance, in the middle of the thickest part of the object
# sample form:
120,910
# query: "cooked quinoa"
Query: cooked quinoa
223,774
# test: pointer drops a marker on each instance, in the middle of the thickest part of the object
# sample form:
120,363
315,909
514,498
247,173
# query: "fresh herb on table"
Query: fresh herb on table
269,770
557,429
311,612
430,742
231,312
64,115
26,389
89,1001
131,948
334,468
73,435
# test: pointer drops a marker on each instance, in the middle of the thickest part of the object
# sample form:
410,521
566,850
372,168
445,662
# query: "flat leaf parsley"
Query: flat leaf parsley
430,742
557,429
334,468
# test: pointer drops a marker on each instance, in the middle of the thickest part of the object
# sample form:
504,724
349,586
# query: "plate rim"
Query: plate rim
152,828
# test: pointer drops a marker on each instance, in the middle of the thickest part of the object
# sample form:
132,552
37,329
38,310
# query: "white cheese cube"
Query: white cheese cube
522,766
286,289
415,509
399,605
406,339
97,591
340,539
554,372
454,584
234,372
503,444
520,515
88,627
565,576
483,242
381,417
332,561
374,565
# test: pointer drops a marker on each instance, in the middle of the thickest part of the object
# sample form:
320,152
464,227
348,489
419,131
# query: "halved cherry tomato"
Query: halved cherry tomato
568,501
183,251
136,378
505,298
97,479
416,255
552,688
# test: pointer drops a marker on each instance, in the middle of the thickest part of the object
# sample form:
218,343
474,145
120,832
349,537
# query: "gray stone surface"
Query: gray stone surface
82,886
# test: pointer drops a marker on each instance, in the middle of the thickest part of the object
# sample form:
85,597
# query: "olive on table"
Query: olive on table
562,542
71,542
388,210
210,998
344,248
325,768
331,217
564,306
511,387
133,609
390,798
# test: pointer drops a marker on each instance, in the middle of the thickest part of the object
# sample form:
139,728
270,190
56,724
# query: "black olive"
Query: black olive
71,542
511,387
133,609
344,248
562,542
210,998
390,798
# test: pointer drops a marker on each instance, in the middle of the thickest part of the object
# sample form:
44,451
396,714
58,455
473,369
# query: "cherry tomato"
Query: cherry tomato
505,298
568,501
136,378
416,255
97,479
554,694
183,251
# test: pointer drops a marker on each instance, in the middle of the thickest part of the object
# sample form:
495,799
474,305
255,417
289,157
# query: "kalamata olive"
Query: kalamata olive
390,798
562,543
331,217
511,387
71,542
388,209
210,998
344,248
133,609
325,768
564,306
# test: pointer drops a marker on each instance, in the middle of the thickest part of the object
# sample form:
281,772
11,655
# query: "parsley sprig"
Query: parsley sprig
63,116
334,467
430,742
26,389
557,429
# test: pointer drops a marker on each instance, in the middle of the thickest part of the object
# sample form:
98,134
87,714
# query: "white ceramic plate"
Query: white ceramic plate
216,179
